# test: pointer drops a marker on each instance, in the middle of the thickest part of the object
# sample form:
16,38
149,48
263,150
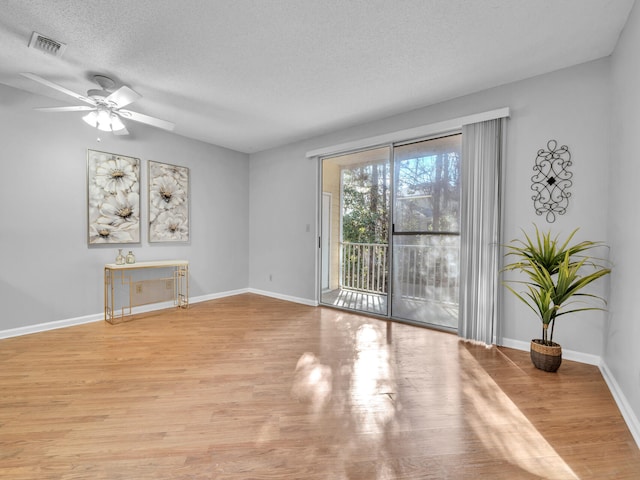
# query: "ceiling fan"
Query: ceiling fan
105,106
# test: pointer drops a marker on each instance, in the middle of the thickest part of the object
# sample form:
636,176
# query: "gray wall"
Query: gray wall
48,271
622,354
571,106
282,205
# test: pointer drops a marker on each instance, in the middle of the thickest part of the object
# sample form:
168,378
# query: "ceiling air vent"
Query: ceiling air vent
47,45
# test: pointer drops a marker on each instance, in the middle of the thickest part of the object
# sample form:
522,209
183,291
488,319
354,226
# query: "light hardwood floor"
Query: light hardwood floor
249,387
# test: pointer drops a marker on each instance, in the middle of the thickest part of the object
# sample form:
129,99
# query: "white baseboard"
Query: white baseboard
96,317
70,322
288,298
625,409
214,296
43,327
621,400
587,358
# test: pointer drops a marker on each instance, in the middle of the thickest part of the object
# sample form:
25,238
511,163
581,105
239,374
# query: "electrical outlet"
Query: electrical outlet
168,284
271,277
138,288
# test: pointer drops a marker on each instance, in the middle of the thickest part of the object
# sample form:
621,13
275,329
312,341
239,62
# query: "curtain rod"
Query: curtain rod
411,133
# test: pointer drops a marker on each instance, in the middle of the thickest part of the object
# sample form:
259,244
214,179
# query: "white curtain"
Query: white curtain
481,225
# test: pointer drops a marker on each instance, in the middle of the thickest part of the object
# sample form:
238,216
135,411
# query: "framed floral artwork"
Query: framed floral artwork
113,192
168,203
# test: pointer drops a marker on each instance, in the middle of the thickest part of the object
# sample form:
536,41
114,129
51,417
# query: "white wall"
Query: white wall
48,272
622,352
571,106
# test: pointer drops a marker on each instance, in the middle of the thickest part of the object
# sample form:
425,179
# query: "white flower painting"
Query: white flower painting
113,186
168,203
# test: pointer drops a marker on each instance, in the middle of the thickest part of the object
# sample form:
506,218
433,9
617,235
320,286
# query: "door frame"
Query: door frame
326,234
390,227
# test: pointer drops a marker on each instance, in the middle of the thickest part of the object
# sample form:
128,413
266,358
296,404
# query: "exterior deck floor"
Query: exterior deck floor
415,310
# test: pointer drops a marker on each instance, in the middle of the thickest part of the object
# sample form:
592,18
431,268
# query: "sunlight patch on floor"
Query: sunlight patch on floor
366,410
503,429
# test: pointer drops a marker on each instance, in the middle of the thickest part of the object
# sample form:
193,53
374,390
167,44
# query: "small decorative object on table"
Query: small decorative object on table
120,257
131,258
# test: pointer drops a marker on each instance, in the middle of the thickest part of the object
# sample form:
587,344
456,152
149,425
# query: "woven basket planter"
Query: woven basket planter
547,358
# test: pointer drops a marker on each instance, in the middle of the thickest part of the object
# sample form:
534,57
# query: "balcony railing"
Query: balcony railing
422,271
427,272
364,267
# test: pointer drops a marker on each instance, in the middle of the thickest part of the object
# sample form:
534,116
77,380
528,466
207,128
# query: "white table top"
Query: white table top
153,264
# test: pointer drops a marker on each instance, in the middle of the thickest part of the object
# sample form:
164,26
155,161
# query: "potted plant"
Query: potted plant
557,272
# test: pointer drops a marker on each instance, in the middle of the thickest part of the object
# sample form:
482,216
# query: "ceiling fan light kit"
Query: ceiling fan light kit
104,105
104,120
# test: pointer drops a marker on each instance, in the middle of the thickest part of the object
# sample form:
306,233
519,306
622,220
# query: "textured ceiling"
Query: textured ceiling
254,74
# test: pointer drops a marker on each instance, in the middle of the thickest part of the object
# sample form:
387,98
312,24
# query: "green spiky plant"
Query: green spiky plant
556,272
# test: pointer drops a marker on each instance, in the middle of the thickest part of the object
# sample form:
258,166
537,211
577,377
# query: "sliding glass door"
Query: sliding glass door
355,231
400,262
426,231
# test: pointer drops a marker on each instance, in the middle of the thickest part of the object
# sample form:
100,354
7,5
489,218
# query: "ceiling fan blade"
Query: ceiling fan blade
123,97
60,88
79,108
139,117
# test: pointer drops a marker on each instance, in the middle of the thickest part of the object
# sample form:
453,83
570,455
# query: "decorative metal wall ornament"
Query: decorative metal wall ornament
552,181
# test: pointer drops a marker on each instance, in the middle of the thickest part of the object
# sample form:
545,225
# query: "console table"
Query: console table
143,283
